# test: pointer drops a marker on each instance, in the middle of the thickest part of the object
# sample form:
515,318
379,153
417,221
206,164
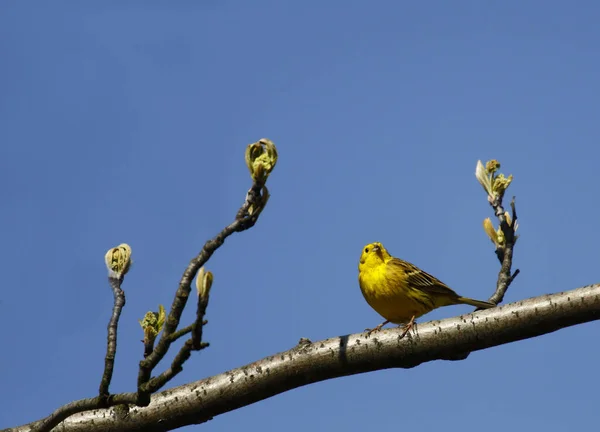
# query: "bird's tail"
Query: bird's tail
476,303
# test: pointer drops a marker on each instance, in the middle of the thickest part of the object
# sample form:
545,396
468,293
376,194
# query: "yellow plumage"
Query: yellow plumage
400,291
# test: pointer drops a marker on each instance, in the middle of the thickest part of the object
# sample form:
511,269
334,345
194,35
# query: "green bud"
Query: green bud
261,158
118,260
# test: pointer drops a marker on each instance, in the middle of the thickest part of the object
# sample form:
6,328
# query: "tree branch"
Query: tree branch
505,252
182,332
203,297
261,158
111,347
245,219
308,363
82,407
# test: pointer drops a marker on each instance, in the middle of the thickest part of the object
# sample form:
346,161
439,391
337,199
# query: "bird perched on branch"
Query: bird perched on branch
401,292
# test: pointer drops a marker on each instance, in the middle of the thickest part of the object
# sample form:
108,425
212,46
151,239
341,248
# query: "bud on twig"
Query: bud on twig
153,323
204,282
261,158
494,185
118,260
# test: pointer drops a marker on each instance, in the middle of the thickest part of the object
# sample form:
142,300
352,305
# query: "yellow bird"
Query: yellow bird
401,292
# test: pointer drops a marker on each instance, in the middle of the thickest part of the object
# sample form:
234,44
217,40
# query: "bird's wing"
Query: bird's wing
419,279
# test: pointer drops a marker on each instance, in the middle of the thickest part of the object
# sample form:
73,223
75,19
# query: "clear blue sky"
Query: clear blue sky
128,123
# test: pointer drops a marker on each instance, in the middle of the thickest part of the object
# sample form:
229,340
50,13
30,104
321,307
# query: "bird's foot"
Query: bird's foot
376,329
407,327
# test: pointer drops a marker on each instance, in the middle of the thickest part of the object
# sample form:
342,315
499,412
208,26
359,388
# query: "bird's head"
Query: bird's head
373,254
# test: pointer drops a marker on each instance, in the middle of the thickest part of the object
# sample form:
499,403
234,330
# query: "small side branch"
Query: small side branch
79,406
246,218
506,249
203,283
180,333
111,346
495,185
194,343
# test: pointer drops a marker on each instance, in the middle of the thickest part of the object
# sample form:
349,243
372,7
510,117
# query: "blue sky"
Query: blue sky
128,123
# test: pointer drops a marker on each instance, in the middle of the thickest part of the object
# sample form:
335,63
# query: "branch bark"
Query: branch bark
111,349
256,199
308,362
505,252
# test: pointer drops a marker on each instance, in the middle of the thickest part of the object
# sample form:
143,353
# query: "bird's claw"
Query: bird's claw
376,329
408,327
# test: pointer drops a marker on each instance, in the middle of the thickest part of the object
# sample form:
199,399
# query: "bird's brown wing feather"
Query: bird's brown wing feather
419,279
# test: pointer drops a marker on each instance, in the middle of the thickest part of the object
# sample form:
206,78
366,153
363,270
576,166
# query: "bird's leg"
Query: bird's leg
376,329
408,326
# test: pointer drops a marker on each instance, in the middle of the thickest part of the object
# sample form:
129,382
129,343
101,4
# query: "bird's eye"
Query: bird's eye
366,250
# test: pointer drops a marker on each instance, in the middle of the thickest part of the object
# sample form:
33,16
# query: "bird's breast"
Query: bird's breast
388,297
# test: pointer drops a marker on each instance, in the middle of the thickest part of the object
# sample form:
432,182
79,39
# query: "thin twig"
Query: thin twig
184,353
148,341
513,209
505,252
111,346
79,406
255,199
514,275
183,332
199,323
